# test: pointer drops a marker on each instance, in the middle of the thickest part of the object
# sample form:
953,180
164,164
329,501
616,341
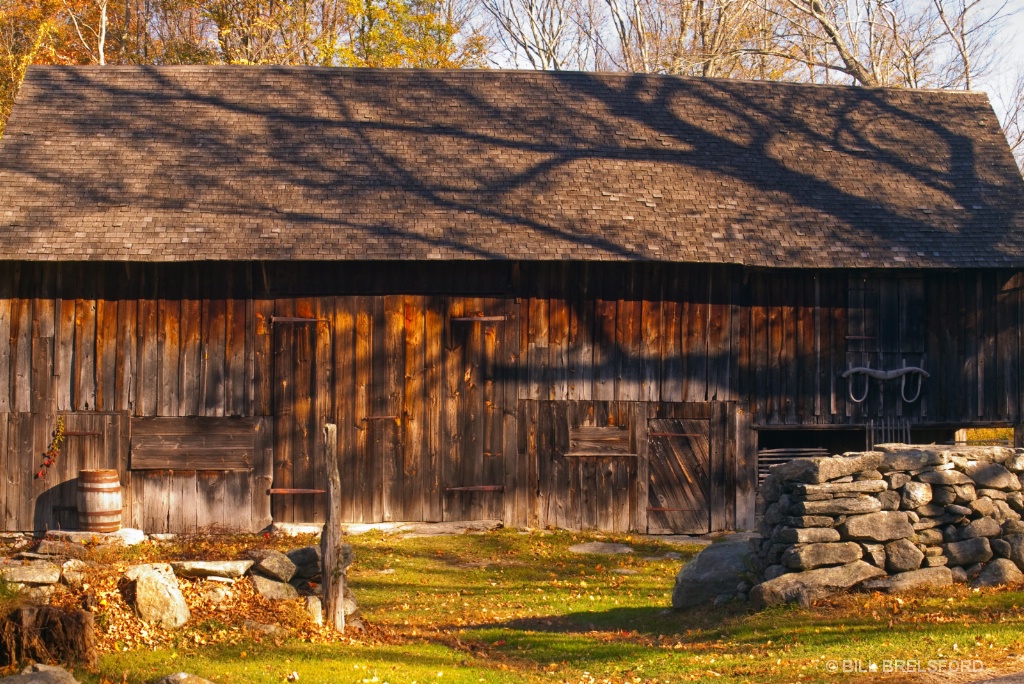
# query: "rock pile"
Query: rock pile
889,520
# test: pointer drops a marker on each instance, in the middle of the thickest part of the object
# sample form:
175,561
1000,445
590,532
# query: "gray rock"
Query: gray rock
1015,464
272,589
181,678
315,609
217,594
1011,527
41,674
974,570
965,493
822,469
61,549
982,527
810,556
935,561
983,506
963,553
791,535
915,494
31,573
902,555
868,475
911,459
874,554
877,527
945,477
943,495
155,595
999,573
1016,553
773,571
127,536
771,489
914,579
890,500
954,509
211,568
1000,548
855,487
803,521
712,572
993,476
929,537
807,587
1003,512
72,573
846,506
994,494
897,480
931,511
307,561
274,565
959,575
913,517
601,548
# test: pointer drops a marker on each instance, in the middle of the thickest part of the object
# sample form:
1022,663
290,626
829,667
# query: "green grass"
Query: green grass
510,607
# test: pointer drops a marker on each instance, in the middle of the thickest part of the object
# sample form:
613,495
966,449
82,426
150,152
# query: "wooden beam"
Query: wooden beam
331,553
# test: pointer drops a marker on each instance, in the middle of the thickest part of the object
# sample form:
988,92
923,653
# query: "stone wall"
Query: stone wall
897,518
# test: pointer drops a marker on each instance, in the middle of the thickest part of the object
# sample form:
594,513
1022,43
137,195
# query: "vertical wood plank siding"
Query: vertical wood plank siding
428,402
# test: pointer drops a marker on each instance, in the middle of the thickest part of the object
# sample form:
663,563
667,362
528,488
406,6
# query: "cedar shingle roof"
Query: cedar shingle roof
243,163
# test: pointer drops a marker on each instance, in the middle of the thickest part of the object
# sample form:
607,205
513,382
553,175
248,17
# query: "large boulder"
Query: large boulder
307,561
228,569
999,573
982,527
899,457
852,505
908,581
272,589
810,556
883,526
968,552
824,468
1016,553
181,678
902,555
915,494
713,572
154,593
274,565
945,477
993,476
806,535
32,573
41,674
806,587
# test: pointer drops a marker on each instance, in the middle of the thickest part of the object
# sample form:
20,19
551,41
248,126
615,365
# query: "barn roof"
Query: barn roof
283,163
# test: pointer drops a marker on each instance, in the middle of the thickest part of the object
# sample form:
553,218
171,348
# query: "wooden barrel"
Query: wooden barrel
99,501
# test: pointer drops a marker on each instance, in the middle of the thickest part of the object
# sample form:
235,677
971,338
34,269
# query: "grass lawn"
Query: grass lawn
512,607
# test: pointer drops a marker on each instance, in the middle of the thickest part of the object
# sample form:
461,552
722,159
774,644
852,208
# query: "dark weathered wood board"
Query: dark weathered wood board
193,444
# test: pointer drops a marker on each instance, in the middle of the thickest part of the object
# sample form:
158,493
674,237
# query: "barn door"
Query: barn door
679,476
475,382
299,339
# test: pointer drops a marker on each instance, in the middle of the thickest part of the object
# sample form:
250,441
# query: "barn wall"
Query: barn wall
424,367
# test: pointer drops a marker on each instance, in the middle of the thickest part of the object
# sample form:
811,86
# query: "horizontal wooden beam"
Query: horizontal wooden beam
477,488
595,455
290,490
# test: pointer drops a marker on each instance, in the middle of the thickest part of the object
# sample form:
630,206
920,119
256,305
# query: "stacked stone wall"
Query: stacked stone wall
893,519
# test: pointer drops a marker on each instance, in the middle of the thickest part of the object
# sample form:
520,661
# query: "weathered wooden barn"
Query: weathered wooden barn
589,301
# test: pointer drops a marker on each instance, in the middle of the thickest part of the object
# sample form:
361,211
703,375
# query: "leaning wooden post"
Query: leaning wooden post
332,556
